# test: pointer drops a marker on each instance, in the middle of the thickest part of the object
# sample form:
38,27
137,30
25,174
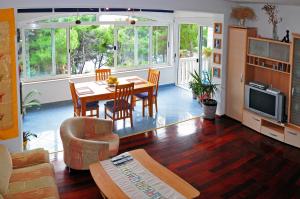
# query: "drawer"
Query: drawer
272,133
292,137
251,120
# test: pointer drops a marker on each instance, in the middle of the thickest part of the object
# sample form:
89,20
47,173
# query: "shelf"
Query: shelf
271,125
264,67
267,58
270,40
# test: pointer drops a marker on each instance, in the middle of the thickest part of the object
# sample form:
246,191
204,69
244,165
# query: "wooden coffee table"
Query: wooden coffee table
111,190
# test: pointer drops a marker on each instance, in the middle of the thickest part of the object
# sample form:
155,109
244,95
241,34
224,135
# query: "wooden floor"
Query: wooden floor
221,158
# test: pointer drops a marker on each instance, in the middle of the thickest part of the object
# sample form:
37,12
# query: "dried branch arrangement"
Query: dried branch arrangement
242,12
272,11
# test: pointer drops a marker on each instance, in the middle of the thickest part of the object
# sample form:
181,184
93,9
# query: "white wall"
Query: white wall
58,90
290,16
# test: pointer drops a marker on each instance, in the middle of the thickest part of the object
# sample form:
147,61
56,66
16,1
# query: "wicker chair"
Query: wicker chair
87,140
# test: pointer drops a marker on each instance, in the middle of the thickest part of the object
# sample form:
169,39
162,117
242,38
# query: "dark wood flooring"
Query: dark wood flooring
221,158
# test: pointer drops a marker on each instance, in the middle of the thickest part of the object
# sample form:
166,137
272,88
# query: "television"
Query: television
266,103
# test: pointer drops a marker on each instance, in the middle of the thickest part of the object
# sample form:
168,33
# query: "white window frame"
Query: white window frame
116,24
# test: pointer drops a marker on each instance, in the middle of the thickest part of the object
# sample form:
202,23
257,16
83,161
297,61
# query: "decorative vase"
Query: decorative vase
242,22
275,32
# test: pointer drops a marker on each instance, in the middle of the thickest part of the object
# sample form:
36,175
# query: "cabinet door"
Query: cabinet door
237,47
295,100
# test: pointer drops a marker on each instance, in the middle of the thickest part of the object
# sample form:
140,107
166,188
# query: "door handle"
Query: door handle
273,135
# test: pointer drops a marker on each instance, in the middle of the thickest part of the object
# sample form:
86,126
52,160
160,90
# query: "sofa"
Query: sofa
26,175
87,140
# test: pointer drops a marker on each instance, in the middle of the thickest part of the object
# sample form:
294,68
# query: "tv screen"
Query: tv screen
263,102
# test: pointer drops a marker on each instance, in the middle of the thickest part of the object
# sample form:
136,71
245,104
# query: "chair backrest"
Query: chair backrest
153,77
73,93
102,74
123,100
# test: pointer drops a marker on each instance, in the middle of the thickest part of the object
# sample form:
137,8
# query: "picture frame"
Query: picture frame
218,28
218,43
216,72
217,58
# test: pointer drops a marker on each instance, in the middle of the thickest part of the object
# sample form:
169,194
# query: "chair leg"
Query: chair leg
143,108
131,119
156,104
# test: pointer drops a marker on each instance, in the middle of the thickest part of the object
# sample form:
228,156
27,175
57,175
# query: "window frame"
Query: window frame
115,68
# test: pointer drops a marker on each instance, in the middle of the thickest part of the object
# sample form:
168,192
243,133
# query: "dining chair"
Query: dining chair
102,74
121,107
153,77
90,106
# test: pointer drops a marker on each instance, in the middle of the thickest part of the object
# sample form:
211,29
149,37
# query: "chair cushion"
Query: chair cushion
89,104
144,95
5,169
112,139
110,105
36,181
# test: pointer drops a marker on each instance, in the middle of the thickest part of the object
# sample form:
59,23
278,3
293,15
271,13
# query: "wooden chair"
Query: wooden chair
90,107
102,74
121,107
153,77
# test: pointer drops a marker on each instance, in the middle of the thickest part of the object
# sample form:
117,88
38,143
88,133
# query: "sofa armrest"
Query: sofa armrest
29,158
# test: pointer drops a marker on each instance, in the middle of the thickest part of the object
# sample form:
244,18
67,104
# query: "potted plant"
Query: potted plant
30,101
26,137
206,92
195,88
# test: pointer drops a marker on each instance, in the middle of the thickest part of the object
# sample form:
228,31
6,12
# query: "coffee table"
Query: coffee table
111,190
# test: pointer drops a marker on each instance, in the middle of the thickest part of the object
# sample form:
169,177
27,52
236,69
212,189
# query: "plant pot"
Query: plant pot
210,108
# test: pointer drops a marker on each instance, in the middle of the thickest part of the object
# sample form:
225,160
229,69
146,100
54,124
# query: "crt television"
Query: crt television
265,103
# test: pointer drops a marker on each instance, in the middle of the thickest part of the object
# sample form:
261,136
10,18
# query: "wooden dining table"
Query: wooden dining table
100,90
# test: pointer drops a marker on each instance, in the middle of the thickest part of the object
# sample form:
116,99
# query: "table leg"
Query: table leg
83,108
150,101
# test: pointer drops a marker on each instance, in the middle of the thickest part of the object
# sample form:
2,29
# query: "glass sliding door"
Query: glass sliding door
195,52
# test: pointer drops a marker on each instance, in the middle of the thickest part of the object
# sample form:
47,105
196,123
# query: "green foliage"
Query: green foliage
30,101
27,135
203,84
207,52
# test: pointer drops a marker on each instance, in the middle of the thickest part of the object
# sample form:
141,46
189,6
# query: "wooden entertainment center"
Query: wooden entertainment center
274,63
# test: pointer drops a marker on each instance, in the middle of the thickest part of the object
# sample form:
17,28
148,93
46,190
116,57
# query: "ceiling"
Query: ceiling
281,2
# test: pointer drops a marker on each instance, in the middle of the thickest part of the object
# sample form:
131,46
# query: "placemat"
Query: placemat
138,182
136,81
84,91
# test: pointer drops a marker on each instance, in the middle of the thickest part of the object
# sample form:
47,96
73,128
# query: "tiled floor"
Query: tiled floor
174,105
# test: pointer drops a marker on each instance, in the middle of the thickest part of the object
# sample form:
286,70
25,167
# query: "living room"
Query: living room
221,75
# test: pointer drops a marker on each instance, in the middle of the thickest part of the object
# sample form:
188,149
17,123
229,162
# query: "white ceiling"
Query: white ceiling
281,2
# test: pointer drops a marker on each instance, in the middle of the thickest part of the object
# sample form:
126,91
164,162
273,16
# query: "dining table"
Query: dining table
100,90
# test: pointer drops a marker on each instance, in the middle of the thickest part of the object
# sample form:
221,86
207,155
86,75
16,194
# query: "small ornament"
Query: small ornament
286,38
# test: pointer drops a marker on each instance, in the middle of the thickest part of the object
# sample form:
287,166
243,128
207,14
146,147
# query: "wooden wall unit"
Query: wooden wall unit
236,63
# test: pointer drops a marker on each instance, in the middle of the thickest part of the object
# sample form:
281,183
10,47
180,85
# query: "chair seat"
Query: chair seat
144,95
112,139
89,104
110,105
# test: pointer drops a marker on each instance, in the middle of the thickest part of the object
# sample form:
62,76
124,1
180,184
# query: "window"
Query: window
62,48
61,56
125,46
160,44
143,45
38,53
